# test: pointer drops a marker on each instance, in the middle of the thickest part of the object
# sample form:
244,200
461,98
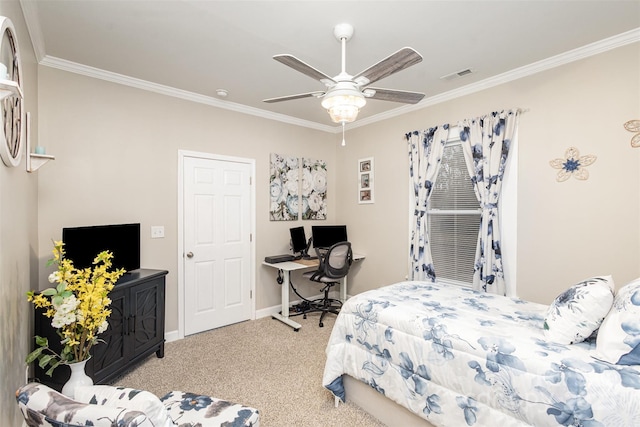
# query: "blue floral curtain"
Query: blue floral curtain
425,155
486,142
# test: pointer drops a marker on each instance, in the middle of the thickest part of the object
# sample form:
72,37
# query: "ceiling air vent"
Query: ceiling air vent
457,74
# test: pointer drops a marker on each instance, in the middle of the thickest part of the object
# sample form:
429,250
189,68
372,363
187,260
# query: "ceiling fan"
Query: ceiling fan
346,94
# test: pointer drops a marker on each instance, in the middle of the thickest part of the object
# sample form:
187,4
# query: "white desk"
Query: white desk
286,268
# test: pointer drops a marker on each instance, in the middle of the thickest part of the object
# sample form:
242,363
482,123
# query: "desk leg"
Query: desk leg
284,316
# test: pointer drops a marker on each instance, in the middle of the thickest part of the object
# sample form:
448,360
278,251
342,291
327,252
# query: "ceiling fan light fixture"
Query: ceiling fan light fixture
345,94
343,105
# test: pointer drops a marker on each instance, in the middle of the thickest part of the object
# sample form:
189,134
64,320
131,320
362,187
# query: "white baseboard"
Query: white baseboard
171,336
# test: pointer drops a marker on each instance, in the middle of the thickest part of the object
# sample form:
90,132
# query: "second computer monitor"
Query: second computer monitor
325,236
298,240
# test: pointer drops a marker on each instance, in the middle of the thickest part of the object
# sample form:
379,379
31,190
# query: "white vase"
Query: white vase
78,378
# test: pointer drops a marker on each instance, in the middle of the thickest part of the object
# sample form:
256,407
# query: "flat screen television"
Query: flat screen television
82,244
325,236
298,241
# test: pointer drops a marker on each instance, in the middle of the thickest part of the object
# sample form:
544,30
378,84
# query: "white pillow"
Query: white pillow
619,336
129,398
578,312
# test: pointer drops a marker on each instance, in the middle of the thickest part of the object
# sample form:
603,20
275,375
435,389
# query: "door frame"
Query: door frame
252,226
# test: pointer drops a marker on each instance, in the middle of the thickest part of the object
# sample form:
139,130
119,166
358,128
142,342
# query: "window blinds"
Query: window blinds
453,219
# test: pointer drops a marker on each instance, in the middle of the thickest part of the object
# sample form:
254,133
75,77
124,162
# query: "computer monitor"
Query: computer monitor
325,236
298,241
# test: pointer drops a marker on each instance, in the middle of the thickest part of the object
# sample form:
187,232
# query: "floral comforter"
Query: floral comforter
457,357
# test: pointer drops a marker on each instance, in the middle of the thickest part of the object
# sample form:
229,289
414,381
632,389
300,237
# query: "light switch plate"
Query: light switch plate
157,231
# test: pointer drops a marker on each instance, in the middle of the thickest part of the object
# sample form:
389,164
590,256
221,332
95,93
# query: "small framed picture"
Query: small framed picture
365,180
365,165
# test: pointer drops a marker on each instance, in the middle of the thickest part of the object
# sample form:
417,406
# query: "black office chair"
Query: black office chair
334,265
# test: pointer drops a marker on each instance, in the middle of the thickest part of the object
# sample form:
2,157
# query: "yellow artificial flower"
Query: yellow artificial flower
78,304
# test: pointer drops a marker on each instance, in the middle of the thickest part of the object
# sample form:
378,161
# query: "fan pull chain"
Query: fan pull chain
343,143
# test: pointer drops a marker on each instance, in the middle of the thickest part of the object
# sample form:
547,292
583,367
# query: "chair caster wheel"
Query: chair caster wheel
321,325
304,316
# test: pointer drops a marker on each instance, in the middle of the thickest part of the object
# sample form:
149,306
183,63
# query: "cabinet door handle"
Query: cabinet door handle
125,325
132,325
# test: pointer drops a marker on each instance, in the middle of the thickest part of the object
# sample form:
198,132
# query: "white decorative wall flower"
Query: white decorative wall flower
572,165
634,126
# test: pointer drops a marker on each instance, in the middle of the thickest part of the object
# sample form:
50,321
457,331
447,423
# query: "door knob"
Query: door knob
189,254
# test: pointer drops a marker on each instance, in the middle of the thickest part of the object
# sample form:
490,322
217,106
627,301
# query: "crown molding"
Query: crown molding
33,27
632,36
30,15
74,67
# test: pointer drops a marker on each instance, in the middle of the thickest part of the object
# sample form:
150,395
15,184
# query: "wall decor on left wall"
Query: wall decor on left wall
11,95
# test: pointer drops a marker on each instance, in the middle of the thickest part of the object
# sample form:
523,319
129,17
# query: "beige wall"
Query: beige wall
117,156
566,231
18,241
116,152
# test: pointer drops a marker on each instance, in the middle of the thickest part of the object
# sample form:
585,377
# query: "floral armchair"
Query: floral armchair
109,406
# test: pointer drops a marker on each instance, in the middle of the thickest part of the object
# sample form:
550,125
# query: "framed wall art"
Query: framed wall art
314,189
365,180
283,187
297,187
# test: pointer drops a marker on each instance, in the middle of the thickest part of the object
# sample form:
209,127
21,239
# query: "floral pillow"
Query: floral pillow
42,406
578,312
129,398
619,336
195,410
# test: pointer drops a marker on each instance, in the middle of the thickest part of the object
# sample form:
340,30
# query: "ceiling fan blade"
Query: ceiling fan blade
304,68
394,95
297,96
395,62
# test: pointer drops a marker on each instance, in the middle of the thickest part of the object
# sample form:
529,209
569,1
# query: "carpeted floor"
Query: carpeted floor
261,363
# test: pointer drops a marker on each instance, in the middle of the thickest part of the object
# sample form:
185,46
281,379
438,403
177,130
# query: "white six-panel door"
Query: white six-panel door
217,245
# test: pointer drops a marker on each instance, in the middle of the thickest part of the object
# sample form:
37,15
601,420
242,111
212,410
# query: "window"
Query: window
453,218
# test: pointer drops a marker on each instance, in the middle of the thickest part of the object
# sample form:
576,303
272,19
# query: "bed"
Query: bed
456,357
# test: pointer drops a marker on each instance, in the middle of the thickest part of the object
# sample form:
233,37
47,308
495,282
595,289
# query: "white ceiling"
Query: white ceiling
191,48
